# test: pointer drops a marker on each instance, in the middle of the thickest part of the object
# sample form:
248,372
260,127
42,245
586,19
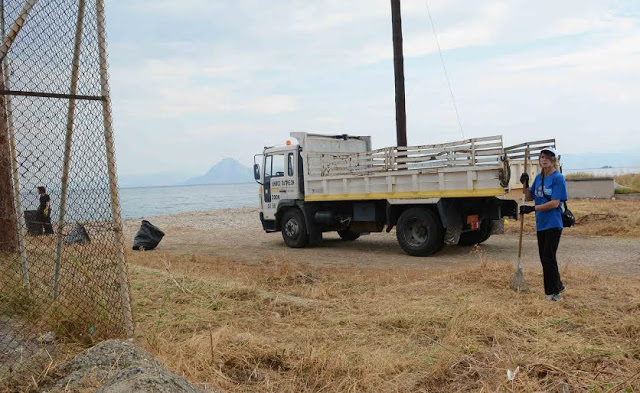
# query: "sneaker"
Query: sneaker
555,298
564,287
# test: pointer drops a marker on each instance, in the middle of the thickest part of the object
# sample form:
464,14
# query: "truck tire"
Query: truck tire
476,237
294,229
420,232
348,235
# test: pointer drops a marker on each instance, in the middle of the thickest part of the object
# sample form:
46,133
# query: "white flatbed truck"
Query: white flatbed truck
449,193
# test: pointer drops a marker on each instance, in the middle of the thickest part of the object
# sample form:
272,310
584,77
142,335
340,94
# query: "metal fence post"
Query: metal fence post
13,32
14,171
75,70
125,295
8,221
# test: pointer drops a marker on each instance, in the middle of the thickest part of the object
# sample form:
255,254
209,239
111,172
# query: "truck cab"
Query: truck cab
278,173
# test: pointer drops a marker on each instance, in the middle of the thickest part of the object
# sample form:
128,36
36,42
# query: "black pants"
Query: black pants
548,242
45,222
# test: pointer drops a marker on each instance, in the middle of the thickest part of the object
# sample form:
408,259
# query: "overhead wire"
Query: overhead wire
444,67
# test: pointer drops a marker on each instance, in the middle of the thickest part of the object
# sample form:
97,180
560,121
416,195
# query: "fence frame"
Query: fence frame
15,220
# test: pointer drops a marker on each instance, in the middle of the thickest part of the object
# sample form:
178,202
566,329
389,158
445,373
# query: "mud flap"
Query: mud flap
497,227
313,231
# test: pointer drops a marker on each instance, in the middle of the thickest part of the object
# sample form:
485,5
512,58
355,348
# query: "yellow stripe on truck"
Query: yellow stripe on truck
408,195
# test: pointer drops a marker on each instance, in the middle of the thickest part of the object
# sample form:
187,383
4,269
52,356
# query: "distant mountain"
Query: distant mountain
227,171
151,180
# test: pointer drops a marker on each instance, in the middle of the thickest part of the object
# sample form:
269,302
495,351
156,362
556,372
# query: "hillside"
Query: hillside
227,171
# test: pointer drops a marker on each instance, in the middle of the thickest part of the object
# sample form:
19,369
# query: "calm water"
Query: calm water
604,171
88,205
154,201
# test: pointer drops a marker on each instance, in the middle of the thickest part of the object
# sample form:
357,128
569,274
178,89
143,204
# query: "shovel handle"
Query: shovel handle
526,159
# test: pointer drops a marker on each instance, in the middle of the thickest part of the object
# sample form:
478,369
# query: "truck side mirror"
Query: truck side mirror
256,171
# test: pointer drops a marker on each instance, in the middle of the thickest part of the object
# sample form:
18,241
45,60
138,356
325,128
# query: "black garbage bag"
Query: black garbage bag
78,235
34,225
148,236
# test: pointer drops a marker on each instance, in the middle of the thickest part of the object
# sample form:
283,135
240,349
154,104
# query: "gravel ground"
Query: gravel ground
236,234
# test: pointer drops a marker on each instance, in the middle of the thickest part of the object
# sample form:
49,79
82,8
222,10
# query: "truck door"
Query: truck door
280,180
274,170
268,162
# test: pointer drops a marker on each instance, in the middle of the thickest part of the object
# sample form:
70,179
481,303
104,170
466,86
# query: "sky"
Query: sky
195,81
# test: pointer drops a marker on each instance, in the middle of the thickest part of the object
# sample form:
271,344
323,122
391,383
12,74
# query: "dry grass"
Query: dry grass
277,326
86,310
280,327
631,181
579,175
86,295
595,217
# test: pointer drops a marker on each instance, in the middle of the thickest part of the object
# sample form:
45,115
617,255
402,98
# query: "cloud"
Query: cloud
250,72
178,87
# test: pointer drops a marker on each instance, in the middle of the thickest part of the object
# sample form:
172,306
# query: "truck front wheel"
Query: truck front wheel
294,229
420,232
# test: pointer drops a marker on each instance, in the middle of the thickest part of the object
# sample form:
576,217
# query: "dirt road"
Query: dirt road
236,234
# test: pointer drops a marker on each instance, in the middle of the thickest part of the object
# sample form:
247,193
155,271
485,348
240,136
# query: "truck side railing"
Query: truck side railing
516,152
475,152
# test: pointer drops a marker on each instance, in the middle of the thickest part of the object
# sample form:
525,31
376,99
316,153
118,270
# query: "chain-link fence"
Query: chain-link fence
63,278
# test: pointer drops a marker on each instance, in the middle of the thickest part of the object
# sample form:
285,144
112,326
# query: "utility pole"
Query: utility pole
398,68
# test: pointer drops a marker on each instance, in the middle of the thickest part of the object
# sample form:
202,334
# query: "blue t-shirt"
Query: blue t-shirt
555,187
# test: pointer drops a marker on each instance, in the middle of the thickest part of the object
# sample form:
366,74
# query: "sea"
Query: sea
91,204
140,202
607,171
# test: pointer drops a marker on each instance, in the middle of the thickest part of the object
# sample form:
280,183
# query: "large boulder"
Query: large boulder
116,366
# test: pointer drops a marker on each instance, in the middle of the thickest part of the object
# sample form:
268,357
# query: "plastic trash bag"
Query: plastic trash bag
34,226
78,235
148,237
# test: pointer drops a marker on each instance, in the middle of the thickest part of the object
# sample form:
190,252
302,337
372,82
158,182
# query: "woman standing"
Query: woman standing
548,190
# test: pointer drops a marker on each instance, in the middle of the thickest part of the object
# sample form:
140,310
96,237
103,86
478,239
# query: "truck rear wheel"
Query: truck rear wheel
294,229
476,237
420,232
348,235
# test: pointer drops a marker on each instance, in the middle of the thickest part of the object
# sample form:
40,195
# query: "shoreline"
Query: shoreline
193,212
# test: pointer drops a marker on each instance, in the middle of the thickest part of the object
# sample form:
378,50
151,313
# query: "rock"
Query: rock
146,380
78,235
117,366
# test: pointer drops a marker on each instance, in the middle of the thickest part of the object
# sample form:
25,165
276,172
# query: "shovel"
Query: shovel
518,283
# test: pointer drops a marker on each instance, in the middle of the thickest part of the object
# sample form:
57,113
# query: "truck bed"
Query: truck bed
345,168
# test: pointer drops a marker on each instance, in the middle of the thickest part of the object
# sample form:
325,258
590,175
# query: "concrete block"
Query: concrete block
591,187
